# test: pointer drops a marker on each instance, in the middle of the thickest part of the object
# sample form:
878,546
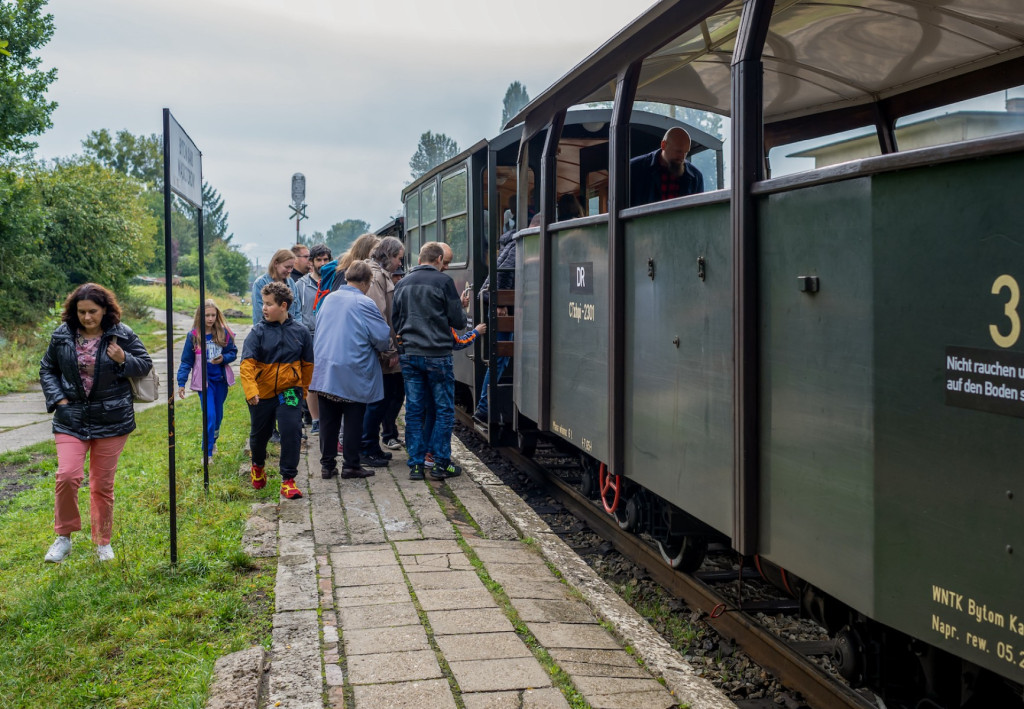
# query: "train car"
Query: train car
451,203
824,370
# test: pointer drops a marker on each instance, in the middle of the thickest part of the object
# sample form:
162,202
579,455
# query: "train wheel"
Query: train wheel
684,553
589,486
628,515
527,443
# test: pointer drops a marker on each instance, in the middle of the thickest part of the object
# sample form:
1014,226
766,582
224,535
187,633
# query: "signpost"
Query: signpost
183,175
298,205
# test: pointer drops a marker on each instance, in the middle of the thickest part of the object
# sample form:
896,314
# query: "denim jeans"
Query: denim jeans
218,391
428,379
500,363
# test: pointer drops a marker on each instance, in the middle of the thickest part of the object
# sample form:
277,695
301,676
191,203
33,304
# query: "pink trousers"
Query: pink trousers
103,455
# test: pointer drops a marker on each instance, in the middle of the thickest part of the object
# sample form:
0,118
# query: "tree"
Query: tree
515,98
26,278
317,237
138,156
97,226
215,218
431,152
340,236
142,158
24,110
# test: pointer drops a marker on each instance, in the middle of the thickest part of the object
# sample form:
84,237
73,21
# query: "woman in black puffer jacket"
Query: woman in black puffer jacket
84,375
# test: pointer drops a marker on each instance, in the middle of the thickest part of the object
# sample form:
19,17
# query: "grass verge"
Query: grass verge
21,348
135,632
186,300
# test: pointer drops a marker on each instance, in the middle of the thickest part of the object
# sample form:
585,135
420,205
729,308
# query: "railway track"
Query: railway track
789,662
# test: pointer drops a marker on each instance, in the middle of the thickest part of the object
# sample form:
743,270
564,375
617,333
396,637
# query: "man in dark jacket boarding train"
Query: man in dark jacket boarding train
426,307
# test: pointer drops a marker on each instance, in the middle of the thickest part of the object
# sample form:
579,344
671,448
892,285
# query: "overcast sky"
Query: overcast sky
339,91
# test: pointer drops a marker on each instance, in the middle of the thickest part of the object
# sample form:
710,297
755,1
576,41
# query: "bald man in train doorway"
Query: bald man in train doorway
664,173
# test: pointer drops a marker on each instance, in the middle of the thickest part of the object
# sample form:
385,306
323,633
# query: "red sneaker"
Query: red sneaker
428,460
289,490
259,477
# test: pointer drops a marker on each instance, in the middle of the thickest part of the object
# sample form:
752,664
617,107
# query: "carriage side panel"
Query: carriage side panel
949,359
678,357
817,430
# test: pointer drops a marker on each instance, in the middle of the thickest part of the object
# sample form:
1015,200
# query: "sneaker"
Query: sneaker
275,437
258,476
449,470
393,443
350,473
104,552
315,427
428,460
288,490
60,548
328,473
416,472
373,461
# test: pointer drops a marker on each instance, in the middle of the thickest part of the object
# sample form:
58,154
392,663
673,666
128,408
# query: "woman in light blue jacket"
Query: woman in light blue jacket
350,334
280,270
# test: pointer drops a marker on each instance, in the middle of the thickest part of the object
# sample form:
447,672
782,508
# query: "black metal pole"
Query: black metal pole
493,228
618,199
748,168
548,166
173,498
202,352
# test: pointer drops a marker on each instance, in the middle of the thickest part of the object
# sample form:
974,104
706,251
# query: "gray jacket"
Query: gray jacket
305,296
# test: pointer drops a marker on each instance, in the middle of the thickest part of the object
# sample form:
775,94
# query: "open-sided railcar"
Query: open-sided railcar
824,369
451,203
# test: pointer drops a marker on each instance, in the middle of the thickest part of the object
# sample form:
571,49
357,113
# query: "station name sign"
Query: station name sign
186,164
985,380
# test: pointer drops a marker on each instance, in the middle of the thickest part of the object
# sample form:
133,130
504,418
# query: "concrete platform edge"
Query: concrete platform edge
626,623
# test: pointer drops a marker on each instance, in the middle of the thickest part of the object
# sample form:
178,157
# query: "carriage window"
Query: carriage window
428,210
582,179
412,221
454,215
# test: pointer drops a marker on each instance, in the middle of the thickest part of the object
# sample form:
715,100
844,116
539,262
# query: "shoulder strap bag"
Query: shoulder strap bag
146,389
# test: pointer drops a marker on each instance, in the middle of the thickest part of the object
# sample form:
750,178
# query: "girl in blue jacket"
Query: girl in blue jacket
220,352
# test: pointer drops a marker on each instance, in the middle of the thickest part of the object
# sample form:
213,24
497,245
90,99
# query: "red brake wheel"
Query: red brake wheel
611,486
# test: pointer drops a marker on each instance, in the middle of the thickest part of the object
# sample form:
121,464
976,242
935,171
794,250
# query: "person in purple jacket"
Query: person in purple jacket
220,351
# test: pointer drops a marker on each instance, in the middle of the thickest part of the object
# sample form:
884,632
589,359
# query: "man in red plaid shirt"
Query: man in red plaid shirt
664,173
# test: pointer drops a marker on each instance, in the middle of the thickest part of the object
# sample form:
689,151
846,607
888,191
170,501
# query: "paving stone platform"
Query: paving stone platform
400,593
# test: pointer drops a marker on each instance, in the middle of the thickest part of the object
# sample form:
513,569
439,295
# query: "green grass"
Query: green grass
135,632
21,348
186,300
559,678
656,606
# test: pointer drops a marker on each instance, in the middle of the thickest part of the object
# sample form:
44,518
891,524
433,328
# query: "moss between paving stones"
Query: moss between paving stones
559,678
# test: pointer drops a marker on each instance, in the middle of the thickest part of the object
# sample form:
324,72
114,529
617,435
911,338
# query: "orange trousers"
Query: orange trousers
103,456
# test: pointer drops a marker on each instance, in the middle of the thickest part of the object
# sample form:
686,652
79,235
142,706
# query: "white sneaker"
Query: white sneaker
60,548
105,553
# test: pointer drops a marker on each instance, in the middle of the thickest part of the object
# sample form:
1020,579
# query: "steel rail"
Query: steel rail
791,668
